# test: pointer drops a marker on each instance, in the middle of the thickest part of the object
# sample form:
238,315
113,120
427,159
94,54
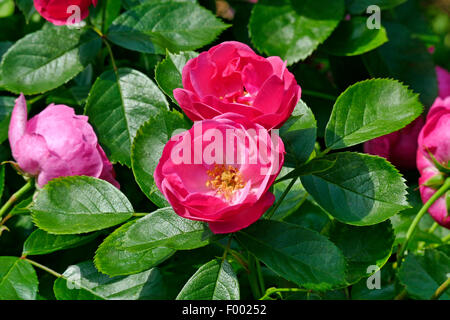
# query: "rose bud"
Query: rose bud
220,172
433,158
443,77
230,77
56,143
398,147
59,12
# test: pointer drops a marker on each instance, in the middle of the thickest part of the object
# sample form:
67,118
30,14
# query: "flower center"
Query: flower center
225,180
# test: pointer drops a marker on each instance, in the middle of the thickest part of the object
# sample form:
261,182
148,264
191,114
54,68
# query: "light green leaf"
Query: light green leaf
164,228
18,280
83,282
168,72
359,189
41,242
48,58
156,26
79,204
118,104
353,38
214,280
147,150
292,29
295,253
370,109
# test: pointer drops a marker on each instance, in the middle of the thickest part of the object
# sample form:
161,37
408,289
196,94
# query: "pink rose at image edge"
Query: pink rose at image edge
55,11
193,192
56,143
231,77
435,138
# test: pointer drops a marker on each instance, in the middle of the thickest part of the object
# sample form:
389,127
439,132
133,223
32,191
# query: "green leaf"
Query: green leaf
370,109
359,189
105,13
310,216
214,280
422,275
83,282
168,72
147,150
360,6
41,242
79,204
299,135
18,280
156,26
363,247
404,58
128,4
353,38
6,8
292,29
114,260
27,8
48,58
2,181
118,104
295,253
164,228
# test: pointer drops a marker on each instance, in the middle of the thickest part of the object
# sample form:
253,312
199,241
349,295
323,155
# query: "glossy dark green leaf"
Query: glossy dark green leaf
299,135
118,104
41,242
310,216
27,8
2,181
105,13
79,204
18,280
363,247
156,26
164,228
214,280
370,109
168,72
353,38
83,282
292,29
359,189
407,59
114,260
147,150
48,58
128,4
360,6
422,275
295,253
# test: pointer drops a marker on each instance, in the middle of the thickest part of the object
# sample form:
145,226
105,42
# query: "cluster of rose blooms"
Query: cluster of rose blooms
229,87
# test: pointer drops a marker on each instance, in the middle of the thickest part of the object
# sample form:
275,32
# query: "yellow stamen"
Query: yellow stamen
225,180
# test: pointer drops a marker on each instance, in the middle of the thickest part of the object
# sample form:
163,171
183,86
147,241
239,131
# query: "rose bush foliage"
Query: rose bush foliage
339,149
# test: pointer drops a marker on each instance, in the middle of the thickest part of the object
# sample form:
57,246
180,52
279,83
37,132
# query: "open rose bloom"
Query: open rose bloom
435,139
220,171
231,77
58,12
56,143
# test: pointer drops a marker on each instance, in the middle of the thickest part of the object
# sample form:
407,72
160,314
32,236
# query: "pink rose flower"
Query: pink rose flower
56,143
221,179
58,12
398,147
231,77
443,77
435,138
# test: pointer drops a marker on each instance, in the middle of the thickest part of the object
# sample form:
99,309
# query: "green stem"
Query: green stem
278,203
16,196
108,46
40,266
271,291
446,238
419,216
441,290
319,95
433,227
